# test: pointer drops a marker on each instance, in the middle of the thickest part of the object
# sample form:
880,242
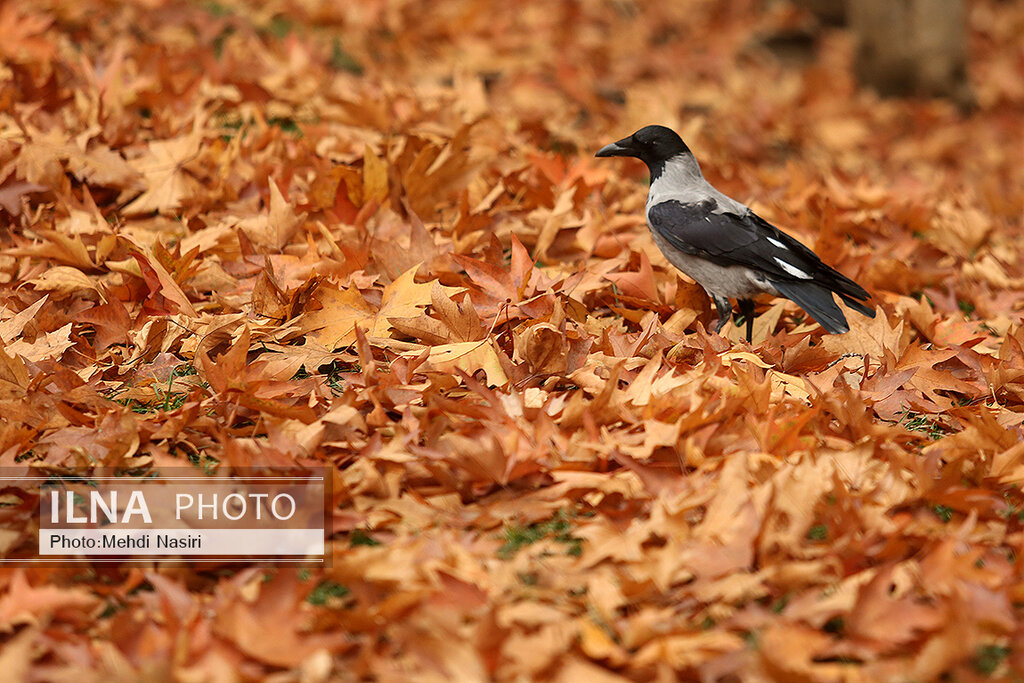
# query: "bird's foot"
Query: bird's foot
746,309
724,311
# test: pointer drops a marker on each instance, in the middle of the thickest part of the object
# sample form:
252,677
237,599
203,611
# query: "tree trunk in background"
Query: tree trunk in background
911,47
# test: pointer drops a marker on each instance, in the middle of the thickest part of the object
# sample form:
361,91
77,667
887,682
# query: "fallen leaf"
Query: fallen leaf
468,357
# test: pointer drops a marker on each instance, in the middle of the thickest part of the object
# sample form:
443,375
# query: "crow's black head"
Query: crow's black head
654,145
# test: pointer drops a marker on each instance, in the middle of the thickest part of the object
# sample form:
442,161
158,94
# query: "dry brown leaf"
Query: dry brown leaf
46,345
333,325
167,183
23,603
468,357
63,281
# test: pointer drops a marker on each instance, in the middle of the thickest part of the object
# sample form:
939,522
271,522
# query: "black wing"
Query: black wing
750,241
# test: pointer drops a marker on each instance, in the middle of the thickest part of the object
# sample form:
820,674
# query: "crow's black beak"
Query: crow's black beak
617,149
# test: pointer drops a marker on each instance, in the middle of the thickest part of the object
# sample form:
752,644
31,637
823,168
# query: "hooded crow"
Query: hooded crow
728,249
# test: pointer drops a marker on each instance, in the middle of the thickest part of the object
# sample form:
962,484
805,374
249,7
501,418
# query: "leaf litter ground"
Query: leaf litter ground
371,236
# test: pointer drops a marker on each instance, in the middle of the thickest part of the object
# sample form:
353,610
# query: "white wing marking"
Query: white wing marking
790,268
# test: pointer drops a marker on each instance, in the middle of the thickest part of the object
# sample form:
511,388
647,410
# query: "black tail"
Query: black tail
815,294
856,305
818,302
849,291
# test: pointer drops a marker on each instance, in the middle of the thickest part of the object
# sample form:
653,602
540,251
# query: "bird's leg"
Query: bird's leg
724,310
746,307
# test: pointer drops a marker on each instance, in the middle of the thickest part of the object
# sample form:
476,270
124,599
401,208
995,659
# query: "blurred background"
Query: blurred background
882,121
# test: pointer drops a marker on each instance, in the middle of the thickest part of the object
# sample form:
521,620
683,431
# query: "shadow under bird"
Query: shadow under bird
728,249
